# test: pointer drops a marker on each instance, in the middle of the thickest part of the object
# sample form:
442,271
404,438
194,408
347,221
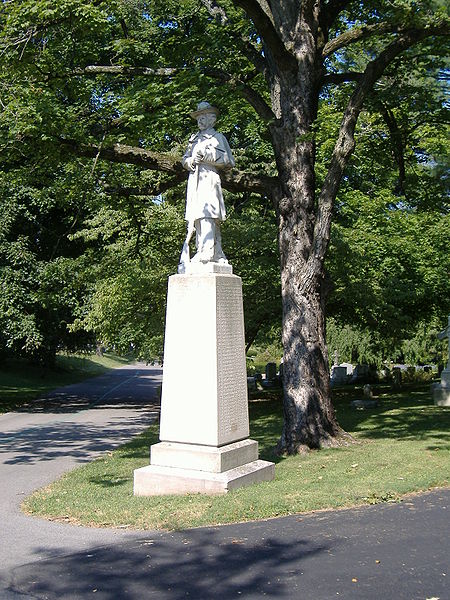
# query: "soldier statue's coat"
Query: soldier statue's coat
204,197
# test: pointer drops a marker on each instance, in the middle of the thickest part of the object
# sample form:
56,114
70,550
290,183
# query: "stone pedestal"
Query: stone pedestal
204,407
441,390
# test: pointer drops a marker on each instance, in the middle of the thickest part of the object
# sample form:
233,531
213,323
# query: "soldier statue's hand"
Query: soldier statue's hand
198,157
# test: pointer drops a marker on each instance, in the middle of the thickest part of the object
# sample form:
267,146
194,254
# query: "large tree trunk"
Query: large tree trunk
309,417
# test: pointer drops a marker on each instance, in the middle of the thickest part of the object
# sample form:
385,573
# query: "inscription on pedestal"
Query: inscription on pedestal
231,367
204,393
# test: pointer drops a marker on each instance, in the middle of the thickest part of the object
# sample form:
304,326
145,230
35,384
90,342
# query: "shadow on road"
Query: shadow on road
58,440
200,568
123,388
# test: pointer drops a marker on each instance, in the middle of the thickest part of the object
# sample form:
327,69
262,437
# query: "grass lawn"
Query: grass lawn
21,382
402,447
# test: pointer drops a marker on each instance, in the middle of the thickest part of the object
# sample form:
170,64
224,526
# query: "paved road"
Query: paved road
388,551
71,426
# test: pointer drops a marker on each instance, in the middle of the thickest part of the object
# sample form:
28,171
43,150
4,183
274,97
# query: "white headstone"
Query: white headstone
441,390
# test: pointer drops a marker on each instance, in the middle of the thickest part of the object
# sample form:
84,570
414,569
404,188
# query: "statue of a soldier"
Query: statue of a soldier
208,153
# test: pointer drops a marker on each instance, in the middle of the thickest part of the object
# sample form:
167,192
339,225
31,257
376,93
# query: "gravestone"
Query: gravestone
441,389
251,383
271,371
360,374
272,380
338,375
397,377
368,401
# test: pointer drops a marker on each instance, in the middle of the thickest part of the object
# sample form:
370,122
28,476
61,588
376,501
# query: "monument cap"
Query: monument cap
203,108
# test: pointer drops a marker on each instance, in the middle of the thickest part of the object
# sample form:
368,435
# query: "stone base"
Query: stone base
158,481
441,394
204,424
187,468
199,268
204,394
204,458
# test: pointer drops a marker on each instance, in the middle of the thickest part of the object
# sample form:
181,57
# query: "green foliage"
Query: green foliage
250,235
423,347
353,344
78,263
36,259
392,264
127,277
419,346
389,255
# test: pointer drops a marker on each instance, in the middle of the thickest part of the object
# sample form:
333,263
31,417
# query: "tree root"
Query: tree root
341,439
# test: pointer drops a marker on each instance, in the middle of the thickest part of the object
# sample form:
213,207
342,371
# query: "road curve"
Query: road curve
55,434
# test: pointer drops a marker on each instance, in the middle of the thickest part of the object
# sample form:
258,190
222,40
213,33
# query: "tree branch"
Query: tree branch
356,34
263,21
257,102
330,10
338,78
251,95
235,181
346,140
397,144
122,70
248,49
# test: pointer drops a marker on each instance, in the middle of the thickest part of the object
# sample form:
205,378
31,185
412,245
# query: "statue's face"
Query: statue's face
206,120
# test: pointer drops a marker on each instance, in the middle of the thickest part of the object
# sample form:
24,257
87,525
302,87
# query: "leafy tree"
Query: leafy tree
39,290
93,75
125,268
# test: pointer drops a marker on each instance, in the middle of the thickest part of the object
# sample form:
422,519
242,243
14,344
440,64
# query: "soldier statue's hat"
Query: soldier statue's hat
203,108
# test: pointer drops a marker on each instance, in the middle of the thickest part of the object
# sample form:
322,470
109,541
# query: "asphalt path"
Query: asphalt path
55,434
396,551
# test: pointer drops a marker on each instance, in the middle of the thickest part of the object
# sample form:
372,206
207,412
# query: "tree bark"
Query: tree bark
309,417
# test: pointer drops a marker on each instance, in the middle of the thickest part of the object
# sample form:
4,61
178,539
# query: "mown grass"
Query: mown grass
21,382
402,447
